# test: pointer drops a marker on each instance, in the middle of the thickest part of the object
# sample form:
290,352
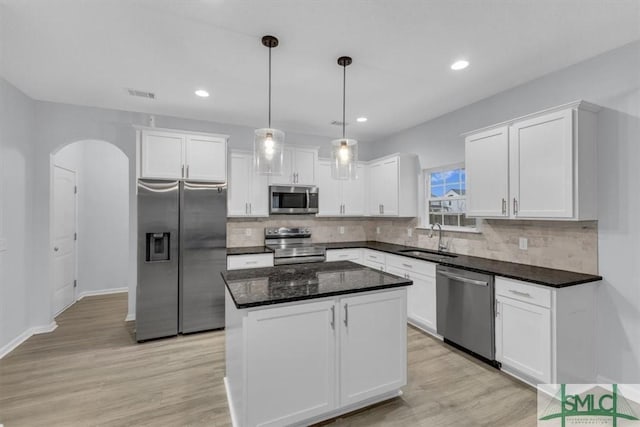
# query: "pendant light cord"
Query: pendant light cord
269,87
344,91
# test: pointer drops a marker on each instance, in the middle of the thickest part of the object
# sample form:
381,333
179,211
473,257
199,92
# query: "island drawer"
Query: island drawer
344,255
239,262
410,264
374,256
524,292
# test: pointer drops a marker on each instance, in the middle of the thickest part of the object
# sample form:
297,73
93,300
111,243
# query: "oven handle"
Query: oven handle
308,198
463,279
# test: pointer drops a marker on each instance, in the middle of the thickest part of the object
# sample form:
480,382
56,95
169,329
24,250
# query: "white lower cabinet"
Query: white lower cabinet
303,362
353,255
523,338
291,363
239,262
373,345
545,335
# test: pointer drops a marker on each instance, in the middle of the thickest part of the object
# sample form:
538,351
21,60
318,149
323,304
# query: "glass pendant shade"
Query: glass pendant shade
268,151
344,155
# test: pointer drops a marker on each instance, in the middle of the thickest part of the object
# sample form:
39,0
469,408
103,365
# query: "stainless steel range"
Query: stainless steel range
292,245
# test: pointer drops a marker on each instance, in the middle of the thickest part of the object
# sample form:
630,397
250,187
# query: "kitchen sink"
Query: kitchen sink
422,252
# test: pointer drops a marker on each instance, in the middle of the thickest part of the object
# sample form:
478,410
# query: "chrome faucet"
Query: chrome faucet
441,246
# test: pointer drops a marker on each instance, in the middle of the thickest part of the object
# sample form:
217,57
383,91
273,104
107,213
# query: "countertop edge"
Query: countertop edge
313,297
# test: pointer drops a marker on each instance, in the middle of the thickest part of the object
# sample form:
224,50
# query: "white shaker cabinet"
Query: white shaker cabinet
248,194
301,371
206,158
341,197
169,154
373,324
541,166
393,186
487,168
300,167
544,334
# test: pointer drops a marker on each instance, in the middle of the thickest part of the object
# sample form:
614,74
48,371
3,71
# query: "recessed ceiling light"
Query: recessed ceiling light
361,119
202,93
460,65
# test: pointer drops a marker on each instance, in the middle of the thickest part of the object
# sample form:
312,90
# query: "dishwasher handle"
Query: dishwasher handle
463,279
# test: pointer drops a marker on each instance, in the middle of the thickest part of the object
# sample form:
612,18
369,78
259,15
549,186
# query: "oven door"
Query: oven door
293,199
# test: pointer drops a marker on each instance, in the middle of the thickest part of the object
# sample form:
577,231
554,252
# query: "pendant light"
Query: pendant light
344,151
268,143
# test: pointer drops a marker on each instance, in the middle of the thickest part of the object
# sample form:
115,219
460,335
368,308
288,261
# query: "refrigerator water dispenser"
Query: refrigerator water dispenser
158,247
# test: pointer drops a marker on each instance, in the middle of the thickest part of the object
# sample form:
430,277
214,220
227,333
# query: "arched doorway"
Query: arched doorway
89,221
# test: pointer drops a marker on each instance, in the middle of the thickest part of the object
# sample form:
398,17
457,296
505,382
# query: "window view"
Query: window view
446,203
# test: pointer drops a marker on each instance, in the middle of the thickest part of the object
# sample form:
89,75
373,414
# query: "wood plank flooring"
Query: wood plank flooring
91,372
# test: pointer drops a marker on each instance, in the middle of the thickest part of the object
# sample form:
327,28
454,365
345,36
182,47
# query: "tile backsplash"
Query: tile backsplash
564,245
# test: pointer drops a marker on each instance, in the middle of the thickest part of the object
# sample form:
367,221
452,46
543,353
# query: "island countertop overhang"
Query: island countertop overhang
297,282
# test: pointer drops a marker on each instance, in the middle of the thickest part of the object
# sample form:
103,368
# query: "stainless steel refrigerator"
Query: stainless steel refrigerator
182,237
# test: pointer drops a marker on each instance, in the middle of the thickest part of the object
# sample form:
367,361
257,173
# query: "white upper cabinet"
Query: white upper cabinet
161,155
393,186
300,166
206,158
340,197
166,154
487,167
248,191
542,166
538,167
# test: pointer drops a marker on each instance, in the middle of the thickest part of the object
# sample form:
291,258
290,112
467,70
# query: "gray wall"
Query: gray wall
611,80
17,119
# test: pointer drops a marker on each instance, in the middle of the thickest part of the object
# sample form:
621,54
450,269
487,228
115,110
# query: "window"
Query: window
445,198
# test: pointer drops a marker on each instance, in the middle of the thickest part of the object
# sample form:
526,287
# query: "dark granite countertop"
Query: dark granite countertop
285,283
527,273
249,250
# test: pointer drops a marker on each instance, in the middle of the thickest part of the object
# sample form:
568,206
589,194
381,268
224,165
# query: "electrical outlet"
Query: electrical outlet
409,231
377,230
247,232
524,243
341,230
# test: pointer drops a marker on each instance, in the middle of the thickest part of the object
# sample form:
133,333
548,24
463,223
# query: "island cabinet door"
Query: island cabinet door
373,345
291,363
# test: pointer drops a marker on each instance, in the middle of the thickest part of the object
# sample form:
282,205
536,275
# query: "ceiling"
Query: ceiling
88,52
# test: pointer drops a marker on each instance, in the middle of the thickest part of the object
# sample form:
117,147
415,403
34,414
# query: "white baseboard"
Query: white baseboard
44,329
101,292
14,343
130,317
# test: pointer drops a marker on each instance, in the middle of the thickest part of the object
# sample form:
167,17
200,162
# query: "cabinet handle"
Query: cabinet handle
246,208
504,206
515,206
497,308
333,317
187,171
182,173
524,294
344,255
346,315
382,209
407,265
250,208
251,262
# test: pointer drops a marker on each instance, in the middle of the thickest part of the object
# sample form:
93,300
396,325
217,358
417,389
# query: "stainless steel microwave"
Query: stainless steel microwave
296,199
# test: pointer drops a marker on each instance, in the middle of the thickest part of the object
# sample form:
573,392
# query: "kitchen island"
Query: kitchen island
309,342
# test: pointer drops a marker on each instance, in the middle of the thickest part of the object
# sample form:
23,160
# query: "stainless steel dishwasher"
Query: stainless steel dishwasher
465,310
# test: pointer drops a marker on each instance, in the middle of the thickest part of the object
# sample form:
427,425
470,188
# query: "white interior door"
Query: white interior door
63,244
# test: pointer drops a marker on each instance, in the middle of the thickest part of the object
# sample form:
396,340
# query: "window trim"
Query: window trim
424,211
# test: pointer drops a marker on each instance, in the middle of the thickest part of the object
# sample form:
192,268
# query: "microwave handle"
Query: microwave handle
308,198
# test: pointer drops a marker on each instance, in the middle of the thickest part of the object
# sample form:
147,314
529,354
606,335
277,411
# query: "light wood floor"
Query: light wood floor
90,372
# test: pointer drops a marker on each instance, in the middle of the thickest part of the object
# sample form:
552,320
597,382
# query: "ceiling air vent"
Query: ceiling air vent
141,93
339,123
